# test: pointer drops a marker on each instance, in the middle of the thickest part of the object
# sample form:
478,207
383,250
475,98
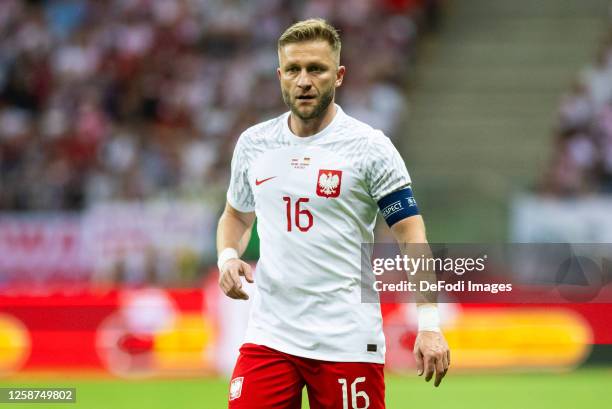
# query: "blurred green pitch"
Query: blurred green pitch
584,388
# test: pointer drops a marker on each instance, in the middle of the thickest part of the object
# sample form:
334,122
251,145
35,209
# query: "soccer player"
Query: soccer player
315,178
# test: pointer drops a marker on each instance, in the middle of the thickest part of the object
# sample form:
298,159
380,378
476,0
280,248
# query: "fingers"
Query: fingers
430,366
226,283
418,357
432,356
446,360
434,363
237,294
230,281
442,366
440,370
247,272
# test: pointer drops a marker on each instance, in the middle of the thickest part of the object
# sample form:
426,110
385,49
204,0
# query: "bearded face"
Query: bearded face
309,74
310,106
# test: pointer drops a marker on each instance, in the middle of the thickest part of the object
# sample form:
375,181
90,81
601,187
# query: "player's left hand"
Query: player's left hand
432,355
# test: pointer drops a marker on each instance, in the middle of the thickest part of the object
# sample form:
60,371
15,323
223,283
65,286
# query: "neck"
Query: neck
309,127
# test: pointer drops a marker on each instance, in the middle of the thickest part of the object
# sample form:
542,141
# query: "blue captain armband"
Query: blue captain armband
398,206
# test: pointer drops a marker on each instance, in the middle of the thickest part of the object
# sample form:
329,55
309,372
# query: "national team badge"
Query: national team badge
236,388
329,182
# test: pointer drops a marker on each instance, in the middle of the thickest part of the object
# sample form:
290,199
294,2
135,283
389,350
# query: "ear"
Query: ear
340,75
278,72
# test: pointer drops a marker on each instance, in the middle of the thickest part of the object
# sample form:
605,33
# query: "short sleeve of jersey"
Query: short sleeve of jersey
239,193
385,169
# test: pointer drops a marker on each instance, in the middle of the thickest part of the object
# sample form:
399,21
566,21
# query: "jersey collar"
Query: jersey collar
309,139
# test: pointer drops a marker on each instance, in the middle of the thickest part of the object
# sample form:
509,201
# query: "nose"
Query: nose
303,80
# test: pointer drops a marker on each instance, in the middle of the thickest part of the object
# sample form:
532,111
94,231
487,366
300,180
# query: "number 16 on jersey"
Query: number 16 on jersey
297,215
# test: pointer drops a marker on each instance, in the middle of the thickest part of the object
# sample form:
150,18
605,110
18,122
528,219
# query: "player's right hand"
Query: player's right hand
230,281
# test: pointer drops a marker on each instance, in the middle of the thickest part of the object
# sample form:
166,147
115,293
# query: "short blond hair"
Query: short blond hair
310,30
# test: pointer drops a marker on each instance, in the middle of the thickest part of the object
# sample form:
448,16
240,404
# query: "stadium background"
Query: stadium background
117,123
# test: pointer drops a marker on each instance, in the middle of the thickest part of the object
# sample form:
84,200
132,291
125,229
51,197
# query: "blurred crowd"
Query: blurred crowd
132,99
582,159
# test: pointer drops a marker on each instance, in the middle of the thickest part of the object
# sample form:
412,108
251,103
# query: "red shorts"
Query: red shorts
265,378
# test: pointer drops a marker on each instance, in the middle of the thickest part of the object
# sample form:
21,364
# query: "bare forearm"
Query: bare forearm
234,230
412,240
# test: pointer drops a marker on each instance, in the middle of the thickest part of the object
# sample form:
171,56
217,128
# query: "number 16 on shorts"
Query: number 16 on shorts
359,399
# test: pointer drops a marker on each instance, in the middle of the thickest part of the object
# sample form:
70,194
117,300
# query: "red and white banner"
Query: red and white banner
40,247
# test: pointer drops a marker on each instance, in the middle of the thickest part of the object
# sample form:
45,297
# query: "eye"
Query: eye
315,69
293,69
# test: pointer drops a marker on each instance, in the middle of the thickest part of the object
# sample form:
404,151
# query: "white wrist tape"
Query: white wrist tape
428,318
226,255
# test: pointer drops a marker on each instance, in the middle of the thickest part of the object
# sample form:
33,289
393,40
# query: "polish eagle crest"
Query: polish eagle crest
328,183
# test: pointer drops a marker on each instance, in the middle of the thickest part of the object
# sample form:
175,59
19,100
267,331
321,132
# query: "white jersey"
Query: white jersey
315,200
